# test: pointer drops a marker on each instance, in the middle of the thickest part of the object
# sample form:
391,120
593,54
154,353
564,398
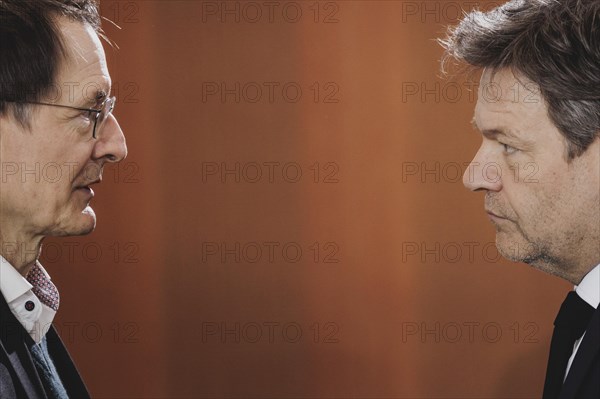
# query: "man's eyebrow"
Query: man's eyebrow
493,133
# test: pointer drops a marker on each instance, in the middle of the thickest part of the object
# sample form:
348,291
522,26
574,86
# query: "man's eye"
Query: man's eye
509,149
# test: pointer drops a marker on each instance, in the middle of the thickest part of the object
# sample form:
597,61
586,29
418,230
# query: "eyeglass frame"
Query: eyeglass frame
112,99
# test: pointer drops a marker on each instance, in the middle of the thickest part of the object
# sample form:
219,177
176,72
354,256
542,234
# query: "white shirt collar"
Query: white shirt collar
18,292
12,284
589,287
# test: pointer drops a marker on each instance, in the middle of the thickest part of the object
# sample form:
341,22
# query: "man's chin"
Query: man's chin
514,248
89,220
79,224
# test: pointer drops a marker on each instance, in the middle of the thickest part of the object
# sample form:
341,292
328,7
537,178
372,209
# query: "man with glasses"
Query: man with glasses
55,109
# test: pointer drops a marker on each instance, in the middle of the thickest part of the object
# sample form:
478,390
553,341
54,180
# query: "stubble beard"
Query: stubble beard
518,246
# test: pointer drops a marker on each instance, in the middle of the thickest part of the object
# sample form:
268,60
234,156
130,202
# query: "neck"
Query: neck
572,271
20,249
581,273
588,257
572,259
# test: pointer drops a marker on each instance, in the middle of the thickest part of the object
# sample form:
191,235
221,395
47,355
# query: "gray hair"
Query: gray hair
555,44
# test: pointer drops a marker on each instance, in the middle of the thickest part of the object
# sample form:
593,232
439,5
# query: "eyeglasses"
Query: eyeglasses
101,114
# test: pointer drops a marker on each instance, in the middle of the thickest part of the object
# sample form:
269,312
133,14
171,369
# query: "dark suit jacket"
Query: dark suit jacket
18,375
583,380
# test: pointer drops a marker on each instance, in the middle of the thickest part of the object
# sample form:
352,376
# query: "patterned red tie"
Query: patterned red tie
43,288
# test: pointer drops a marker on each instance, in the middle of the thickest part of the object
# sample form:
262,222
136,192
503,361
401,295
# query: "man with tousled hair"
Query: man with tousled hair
538,109
55,109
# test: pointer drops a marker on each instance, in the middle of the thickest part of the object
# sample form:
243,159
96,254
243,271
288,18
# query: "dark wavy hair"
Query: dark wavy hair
555,44
31,48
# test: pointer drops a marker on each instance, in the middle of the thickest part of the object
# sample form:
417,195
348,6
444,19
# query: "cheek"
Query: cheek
548,207
48,198
39,204
530,202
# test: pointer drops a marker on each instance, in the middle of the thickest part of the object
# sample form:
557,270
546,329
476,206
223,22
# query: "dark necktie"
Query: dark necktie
570,324
53,386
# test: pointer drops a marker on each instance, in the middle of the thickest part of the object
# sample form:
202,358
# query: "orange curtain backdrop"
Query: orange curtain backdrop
290,221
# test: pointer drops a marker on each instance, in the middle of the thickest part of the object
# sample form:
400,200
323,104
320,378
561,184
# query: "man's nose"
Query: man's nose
483,172
111,142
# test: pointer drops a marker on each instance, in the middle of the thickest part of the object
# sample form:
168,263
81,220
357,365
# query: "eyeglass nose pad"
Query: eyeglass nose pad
96,120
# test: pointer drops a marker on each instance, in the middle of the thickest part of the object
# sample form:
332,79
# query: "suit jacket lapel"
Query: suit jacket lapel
588,350
13,341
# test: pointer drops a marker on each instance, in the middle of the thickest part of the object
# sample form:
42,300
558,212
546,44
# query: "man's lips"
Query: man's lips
494,215
87,188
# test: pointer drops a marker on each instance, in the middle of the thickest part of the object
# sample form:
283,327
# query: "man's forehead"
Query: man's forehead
502,87
524,124
509,100
84,70
497,126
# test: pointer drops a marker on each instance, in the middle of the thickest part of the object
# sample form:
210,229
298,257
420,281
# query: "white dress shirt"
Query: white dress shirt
589,290
35,316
